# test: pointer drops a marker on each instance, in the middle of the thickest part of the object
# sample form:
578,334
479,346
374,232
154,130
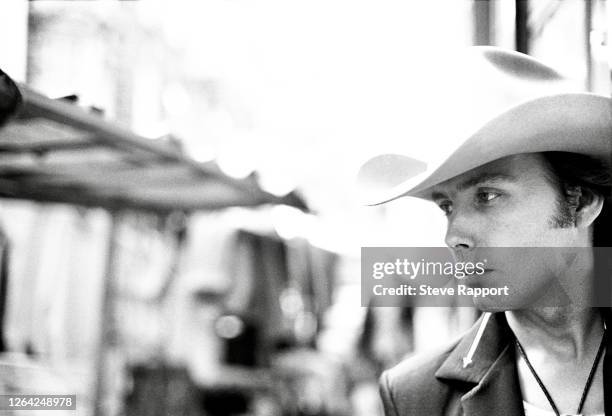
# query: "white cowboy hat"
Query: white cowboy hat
538,112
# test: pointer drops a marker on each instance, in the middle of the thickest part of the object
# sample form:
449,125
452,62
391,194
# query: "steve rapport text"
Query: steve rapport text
427,290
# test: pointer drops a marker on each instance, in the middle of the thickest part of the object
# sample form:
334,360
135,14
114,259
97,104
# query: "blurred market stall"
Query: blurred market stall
55,152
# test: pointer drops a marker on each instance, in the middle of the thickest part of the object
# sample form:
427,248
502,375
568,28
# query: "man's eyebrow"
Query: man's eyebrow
474,181
485,177
436,196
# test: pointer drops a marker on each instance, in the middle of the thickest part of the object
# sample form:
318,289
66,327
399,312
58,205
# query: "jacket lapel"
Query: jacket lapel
491,376
498,393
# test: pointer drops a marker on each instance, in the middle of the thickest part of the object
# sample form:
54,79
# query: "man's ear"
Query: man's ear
589,207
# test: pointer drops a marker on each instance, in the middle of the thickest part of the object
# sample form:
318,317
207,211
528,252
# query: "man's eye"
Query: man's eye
446,206
486,196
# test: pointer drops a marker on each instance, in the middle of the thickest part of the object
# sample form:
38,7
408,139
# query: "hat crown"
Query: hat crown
488,82
498,103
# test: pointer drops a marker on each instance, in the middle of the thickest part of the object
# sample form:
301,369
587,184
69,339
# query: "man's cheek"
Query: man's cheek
521,231
507,235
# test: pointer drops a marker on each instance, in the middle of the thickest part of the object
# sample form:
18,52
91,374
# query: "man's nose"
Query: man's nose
460,233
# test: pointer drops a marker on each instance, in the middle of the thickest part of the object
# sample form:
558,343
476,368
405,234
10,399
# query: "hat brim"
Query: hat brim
577,123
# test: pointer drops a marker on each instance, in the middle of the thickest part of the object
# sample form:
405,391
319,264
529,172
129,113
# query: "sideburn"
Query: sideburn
565,217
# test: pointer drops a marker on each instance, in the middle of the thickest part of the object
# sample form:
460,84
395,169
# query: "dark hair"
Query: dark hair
593,177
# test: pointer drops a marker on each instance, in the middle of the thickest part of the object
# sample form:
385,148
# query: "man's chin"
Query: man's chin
487,306
497,304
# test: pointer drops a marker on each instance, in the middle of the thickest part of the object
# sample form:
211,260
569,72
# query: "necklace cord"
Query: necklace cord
587,386
589,381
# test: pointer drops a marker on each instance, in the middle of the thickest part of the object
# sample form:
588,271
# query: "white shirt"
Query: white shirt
531,410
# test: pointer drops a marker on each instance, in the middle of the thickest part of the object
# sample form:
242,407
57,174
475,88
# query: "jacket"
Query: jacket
437,383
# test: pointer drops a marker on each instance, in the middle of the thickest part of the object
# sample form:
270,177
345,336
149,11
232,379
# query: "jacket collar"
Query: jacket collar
494,339
491,372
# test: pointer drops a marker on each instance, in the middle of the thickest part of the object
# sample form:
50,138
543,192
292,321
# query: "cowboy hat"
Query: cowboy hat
10,97
536,110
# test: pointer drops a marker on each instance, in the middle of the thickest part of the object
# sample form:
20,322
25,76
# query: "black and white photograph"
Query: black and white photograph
306,208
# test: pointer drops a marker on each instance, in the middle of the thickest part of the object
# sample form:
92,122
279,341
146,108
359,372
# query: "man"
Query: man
535,175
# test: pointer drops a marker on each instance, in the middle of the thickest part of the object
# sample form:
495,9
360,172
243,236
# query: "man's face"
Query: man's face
506,203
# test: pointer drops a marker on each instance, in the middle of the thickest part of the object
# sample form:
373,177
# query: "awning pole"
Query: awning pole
521,32
108,333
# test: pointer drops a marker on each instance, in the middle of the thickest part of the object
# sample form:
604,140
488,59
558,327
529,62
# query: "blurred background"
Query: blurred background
180,230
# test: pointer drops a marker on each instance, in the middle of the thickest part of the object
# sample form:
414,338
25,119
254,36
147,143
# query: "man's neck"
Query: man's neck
564,332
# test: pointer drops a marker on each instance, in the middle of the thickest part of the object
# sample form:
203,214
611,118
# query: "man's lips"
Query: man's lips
478,280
